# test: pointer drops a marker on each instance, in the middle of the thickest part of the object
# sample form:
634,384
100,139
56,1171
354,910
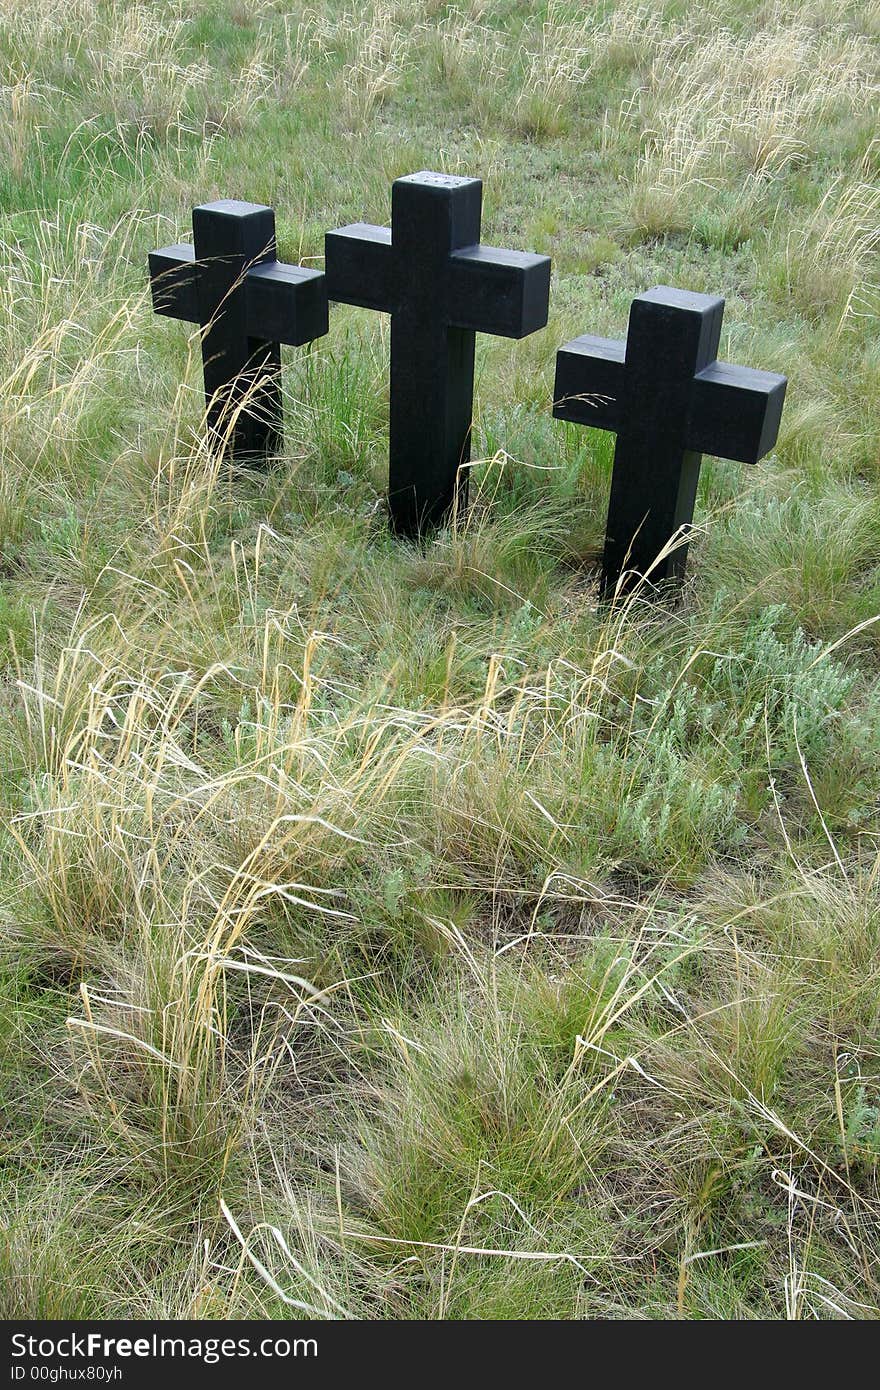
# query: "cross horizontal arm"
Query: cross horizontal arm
359,267
495,291
589,382
285,303
173,283
735,412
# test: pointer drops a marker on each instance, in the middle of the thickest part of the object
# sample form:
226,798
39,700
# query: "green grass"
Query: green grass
390,931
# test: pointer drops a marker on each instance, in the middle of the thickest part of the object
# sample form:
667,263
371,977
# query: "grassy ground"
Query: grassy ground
391,932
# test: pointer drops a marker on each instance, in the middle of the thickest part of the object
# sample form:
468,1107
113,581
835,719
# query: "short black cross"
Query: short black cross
441,287
247,304
668,400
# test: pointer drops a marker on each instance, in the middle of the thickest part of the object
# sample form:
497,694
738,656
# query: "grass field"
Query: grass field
391,932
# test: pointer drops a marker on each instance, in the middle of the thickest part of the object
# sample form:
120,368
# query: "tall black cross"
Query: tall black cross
441,287
668,401
247,303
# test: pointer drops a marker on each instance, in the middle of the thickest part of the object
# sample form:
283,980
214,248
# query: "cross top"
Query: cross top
427,178
669,401
247,303
441,287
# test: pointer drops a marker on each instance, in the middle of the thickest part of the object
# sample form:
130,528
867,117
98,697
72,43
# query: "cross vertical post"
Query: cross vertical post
228,239
668,400
247,304
666,346
432,361
441,287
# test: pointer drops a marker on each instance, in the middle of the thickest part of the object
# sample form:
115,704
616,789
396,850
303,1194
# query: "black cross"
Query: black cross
247,303
441,287
668,400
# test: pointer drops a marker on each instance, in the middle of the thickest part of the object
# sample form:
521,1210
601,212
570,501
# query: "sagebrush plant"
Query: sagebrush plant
389,930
